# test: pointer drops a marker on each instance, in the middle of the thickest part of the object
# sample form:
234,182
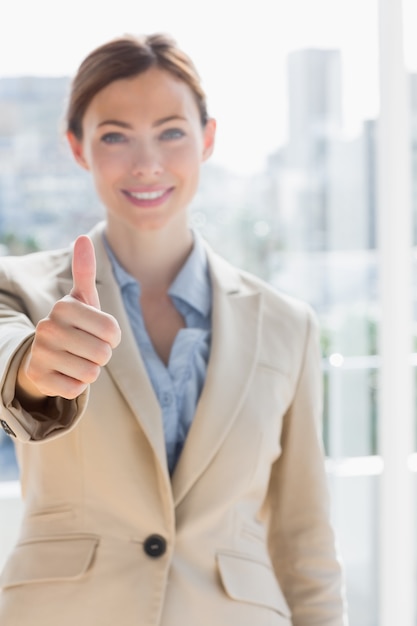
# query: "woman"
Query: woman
164,404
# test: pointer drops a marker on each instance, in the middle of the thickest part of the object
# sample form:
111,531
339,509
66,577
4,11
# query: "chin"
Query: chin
151,224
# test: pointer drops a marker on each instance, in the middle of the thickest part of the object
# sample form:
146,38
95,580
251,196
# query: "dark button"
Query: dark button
7,428
155,546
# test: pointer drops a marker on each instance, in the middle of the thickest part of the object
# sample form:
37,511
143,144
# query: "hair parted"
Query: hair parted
126,57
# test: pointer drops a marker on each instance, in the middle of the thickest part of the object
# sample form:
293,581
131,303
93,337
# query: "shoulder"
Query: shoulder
36,265
275,302
288,324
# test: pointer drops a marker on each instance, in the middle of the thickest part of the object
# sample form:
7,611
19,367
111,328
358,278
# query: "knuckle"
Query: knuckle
59,308
111,330
47,331
91,372
42,327
100,353
104,353
72,389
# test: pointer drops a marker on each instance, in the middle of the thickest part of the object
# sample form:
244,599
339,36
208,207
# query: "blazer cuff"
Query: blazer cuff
58,416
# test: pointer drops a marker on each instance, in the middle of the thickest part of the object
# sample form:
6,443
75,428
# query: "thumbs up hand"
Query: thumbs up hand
73,342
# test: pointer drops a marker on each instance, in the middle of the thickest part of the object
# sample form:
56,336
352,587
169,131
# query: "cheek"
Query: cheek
185,163
108,166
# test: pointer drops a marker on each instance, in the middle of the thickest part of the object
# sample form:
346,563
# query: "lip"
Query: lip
151,196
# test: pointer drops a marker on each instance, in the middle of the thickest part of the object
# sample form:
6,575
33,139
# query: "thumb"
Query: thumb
84,272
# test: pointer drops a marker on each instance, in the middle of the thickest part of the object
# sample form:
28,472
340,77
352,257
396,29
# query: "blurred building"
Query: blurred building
45,199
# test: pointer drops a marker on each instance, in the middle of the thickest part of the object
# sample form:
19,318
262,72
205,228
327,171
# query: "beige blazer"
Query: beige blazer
240,535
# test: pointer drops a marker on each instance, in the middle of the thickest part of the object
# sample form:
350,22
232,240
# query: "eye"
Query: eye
172,133
111,138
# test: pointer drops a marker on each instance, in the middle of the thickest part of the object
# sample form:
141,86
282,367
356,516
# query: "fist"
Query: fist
75,340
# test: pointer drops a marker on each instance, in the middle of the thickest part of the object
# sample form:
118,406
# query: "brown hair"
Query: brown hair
124,58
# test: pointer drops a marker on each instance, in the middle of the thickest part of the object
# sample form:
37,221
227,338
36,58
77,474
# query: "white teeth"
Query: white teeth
147,195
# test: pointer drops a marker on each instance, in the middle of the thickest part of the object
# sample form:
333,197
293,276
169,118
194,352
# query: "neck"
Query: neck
153,257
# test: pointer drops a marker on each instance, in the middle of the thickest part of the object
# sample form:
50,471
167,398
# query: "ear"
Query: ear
209,134
77,150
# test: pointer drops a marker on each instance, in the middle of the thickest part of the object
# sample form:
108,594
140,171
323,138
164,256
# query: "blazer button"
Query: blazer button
155,546
7,428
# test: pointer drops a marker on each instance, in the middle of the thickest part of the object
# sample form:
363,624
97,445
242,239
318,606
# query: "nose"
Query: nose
146,160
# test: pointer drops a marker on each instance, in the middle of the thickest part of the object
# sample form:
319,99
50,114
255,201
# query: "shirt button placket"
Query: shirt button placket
166,398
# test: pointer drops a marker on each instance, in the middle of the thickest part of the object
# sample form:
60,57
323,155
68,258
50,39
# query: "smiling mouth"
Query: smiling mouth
148,198
147,195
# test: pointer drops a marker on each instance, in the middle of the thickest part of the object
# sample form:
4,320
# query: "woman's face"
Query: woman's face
144,143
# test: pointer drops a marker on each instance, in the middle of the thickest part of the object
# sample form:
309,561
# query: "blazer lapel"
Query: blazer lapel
126,366
235,343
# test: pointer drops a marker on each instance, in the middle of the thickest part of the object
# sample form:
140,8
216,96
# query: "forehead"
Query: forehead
150,95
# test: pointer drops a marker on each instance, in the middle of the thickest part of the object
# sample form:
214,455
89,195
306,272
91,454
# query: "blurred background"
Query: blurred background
302,190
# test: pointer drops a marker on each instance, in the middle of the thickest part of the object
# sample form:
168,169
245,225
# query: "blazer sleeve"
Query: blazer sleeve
301,539
16,334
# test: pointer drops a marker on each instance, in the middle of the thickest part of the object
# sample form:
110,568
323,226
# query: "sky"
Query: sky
240,48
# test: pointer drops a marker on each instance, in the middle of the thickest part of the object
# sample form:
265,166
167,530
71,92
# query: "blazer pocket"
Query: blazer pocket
49,559
252,581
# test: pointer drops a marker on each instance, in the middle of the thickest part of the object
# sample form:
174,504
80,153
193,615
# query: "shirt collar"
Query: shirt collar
191,284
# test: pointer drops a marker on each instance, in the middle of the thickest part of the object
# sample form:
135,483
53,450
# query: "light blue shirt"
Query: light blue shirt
177,386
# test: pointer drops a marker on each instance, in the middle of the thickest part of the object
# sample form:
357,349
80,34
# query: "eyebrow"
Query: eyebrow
159,122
